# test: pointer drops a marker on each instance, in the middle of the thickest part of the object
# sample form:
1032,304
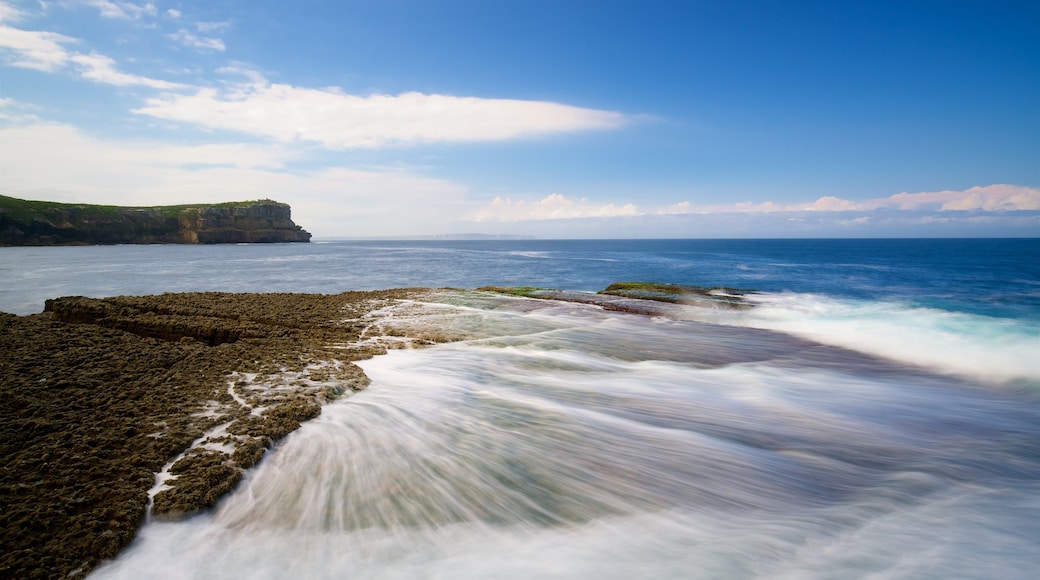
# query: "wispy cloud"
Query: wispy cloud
101,69
990,198
551,207
9,13
337,120
13,111
34,49
48,52
122,10
786,224
207,27
1001,197
997,197
186,38
59,162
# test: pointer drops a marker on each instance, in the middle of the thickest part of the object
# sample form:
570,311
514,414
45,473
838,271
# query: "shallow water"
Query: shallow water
564,441
876,414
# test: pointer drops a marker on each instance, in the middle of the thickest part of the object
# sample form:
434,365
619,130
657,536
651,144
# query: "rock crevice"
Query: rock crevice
99,396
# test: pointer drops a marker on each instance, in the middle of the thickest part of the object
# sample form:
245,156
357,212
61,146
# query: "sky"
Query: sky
553,119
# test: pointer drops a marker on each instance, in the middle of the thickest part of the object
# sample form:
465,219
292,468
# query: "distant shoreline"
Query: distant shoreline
44,223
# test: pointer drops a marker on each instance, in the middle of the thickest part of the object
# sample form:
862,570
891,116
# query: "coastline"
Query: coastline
118,410
101,395
115,411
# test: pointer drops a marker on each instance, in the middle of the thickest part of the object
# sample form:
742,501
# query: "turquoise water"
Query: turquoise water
875,415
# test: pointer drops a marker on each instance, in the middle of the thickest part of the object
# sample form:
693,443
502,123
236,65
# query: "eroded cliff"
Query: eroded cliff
38,223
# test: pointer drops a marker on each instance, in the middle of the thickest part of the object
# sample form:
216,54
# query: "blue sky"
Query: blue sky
546,118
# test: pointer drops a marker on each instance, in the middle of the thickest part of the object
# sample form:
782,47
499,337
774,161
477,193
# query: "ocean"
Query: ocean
875,414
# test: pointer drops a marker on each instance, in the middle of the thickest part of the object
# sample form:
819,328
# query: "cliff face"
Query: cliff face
32,223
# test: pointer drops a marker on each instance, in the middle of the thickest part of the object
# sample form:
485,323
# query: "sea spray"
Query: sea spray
973,345
564,441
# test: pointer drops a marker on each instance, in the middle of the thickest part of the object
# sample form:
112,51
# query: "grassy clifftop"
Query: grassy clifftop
29,209
44,223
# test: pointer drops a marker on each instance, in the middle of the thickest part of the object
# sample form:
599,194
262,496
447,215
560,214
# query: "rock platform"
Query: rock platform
98,396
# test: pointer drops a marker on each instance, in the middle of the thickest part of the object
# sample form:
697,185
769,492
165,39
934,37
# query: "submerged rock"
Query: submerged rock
638,297
715,296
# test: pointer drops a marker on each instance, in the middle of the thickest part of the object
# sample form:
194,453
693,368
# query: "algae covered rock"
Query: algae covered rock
97,396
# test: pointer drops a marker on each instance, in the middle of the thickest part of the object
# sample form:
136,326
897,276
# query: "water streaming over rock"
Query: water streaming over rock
558,440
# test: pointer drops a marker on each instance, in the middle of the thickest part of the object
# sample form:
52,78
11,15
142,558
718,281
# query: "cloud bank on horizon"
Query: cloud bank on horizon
148,103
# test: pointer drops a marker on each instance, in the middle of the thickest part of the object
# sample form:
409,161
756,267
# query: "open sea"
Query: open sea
876,414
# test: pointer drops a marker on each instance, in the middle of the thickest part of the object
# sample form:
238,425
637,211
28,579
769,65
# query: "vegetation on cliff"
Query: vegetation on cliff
44,223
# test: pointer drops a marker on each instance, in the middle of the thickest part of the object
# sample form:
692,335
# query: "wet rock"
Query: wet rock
202,477
248,454
97,395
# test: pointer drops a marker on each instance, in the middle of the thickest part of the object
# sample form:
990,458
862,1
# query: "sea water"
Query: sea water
876,414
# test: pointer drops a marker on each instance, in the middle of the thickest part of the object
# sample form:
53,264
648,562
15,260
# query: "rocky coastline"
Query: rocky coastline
38,223
97,396
117,409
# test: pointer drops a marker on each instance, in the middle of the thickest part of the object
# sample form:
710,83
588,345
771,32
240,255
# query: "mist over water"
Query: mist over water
562,441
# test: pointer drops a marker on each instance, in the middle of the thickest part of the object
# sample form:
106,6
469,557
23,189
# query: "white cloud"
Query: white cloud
173,13
60,163
551,207
34,49
122,10
9,13
341,121
74,150
14,112
676,208
991,198
831,203
997,197
237,69
1001,197
188,39
206,27
102,69
45,51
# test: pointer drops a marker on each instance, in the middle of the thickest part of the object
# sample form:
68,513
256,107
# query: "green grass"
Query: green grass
676,293
525,291
27,210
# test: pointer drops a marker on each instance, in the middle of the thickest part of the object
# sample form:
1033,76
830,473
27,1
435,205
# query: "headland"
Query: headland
44,223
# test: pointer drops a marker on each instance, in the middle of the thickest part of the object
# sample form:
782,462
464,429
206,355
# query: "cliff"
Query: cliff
40,223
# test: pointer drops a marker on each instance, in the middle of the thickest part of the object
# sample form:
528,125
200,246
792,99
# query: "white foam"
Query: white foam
608,450
981,347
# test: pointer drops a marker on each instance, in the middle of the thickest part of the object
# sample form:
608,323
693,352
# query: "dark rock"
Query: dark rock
97,395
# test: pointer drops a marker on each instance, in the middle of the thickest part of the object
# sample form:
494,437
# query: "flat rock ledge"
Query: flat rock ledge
114,408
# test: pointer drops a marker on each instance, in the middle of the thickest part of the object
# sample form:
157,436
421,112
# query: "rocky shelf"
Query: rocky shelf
41,223
114,408
111,408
